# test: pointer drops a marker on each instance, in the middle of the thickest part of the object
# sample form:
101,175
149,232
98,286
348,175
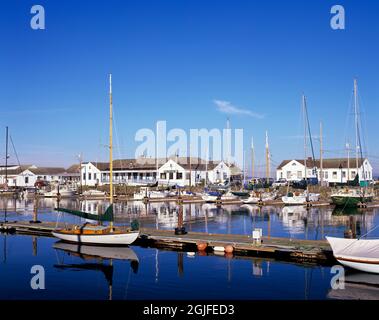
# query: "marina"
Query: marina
162,153
289,242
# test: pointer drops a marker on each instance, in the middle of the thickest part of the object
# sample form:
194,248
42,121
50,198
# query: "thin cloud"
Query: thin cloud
227,107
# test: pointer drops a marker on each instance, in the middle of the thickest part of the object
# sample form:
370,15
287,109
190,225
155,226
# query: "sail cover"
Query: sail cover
360,249
107,216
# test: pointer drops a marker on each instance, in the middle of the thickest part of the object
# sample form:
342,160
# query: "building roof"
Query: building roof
15,170
47,170
334,163
75,168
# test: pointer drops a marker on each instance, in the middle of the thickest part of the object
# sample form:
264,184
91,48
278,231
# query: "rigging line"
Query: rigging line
128,282
15,152
310,134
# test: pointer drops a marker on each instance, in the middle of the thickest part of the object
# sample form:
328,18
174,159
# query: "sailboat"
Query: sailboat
351,197
359,254
99,234
298,198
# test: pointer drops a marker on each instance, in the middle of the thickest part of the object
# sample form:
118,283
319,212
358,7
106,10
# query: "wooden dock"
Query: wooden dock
314,251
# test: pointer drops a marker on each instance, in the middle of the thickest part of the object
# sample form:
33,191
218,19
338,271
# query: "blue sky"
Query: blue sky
171,60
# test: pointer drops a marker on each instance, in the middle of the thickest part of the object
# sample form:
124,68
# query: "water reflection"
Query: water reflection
358,286
100,255
275,221
114,273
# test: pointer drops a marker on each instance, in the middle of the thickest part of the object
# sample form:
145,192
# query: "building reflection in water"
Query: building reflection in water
288,221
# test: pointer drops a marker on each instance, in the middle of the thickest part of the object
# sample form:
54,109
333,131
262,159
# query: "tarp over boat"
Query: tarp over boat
107,216
359,249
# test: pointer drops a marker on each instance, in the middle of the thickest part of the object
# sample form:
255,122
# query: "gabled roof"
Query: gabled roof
47,170
333,163
75,168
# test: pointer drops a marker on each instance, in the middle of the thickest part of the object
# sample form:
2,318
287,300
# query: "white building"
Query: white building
90,174
172,171
184,171
28,175
334,170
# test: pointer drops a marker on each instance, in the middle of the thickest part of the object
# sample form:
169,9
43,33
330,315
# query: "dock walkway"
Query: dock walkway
315,251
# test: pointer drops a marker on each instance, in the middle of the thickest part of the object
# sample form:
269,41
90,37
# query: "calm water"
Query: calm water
74,272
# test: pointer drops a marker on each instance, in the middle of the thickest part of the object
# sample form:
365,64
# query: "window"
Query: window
89,176
300,174
84,176
352,176
334,174
163,176
326,175
343,174
187,176
171,175
281,174
94,176
179,175
26,180
288,175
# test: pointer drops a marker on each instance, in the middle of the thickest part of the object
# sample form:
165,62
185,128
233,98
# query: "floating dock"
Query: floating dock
306,251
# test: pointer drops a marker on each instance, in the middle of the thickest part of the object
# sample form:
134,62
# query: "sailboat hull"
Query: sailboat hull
362,254
344,201
365,267
104,239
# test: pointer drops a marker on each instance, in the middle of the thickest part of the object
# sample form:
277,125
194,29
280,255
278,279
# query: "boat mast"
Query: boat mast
348,162
321,157
110,143
356,125
190,166
244,167
206,167
305,139
6,158
267,161
252,158
80,173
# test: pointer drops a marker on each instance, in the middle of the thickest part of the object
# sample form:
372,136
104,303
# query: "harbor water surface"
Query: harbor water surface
79,272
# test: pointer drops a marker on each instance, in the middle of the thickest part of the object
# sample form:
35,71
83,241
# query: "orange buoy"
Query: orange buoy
229,249
201,246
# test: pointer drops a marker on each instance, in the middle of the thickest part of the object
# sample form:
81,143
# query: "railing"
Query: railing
122,180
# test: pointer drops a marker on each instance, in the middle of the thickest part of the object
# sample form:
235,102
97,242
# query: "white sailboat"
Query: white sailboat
300,198
255,198
150,194
360,254
96,233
